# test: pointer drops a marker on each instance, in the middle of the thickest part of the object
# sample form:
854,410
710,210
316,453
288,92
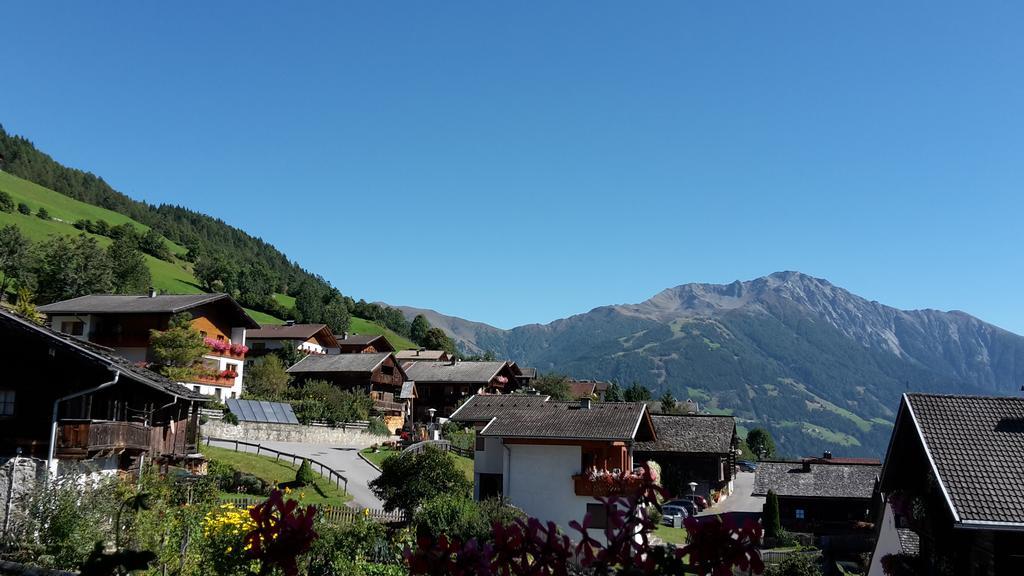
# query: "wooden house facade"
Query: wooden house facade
109,411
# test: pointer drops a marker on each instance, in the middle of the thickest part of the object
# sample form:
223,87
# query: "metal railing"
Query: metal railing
327,472
440,445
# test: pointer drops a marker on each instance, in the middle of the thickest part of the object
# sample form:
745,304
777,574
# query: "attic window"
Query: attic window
73,328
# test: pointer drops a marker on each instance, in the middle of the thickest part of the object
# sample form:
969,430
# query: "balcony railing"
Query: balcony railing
606,485
224,378
89,436
388,406
225,349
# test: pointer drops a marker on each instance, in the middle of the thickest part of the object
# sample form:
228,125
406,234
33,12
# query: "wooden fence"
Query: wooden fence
341,514
327,472
776,556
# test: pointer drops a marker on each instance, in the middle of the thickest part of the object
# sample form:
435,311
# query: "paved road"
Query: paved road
740,500
344,459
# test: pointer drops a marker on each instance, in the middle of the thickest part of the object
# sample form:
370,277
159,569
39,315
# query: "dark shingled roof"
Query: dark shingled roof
339,363
602,421
286,332
910,542
422,355
977,446
822,481
483,407
141,304
105,357
472,372
358,339
691,433
527,372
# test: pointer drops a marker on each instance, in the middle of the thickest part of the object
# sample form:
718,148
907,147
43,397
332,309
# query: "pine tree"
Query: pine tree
772,523
179,348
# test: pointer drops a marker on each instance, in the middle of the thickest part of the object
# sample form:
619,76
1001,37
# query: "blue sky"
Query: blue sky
516,162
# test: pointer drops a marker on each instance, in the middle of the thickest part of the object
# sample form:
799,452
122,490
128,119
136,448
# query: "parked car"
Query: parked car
690,507
699,501
670,512
747,466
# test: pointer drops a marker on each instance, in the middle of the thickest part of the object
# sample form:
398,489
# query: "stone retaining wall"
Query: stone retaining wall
19,475
268,432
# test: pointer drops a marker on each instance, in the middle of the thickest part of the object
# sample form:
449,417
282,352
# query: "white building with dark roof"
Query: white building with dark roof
551,459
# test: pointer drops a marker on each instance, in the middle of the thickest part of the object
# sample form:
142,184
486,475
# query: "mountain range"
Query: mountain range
819,366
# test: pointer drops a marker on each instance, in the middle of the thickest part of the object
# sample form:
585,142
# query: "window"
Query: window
202,333
598,515
586,461
6,403
216,392
800,513
195,388
220,337
73,328
234,395
480,444
259,346
387,370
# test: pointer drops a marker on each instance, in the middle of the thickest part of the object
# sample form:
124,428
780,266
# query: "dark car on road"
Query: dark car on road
689,506
700,501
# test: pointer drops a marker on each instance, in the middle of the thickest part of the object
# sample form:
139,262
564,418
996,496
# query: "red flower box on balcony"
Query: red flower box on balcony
606,485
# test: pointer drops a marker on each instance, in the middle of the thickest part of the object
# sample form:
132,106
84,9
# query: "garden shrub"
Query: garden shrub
250,484
304,476
408,480
6,202
230,418
24,208
453,515
377,427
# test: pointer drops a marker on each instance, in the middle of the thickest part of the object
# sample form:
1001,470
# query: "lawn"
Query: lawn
676,536
276,472
361,326
263,317
378,458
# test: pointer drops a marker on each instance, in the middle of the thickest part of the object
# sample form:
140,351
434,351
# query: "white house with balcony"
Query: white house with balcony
551,459
307,338
123,323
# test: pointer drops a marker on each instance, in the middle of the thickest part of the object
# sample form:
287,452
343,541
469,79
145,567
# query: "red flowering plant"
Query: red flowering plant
283,532
532,548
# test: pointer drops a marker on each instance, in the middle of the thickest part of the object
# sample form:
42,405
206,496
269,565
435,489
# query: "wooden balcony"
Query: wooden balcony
82,437
605,485
388,406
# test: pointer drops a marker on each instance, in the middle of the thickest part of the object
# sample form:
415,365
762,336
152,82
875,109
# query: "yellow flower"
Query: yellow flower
366,511
228,549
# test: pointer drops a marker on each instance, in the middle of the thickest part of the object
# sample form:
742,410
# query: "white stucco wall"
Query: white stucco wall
538,479
888,542
56,321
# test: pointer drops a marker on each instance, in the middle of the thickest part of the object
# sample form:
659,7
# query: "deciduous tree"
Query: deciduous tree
72,267
266,379
636,393
418,329
129,271
554,385
760,442
14,256
408,480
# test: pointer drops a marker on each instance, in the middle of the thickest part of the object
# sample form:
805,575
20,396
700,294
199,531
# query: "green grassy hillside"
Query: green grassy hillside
171,277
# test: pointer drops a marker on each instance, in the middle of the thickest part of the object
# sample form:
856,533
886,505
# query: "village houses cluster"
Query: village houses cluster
950,492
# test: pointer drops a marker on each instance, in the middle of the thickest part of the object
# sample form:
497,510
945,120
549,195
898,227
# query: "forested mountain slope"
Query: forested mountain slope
820,366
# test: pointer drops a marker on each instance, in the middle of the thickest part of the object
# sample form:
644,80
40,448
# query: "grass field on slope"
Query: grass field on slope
168,277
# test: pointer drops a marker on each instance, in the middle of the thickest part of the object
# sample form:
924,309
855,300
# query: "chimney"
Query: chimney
289,322
584,403
807,465
152,292
827,455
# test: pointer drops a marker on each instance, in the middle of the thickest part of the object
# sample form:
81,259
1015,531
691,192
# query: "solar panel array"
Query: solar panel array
262,411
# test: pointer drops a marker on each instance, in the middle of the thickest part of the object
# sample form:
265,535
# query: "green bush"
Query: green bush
772,523
341,548
499,511
230,418
377,427
6,202
408,480
454,515
304,476
249,484
24,208
43,213
221,474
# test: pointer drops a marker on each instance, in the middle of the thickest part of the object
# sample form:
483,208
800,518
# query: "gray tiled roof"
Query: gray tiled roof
338,363
103,356
358,339
136,304
284,331
527,372
472,372
910,542
823,480
483,407
423,355
977,444
691,433
602,421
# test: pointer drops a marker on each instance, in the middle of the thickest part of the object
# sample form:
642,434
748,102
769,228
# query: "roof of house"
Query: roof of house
581,389
691,433
291,332
325,363
103,356
789,479
527,372
976,446
473,372
910,542
483,407
425,355
142,304
568,420
360,339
